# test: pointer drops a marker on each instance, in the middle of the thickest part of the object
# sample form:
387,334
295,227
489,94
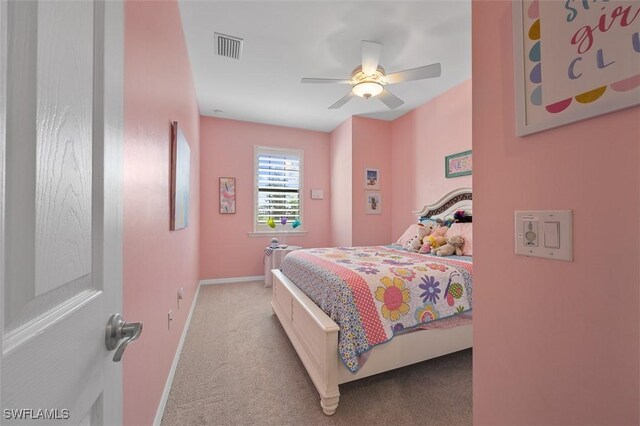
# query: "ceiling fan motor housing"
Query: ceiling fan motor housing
367,86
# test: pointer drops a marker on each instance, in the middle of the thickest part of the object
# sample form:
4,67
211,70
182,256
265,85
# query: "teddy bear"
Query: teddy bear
415,243
453,246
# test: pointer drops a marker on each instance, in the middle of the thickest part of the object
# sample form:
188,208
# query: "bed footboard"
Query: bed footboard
313,335
315,338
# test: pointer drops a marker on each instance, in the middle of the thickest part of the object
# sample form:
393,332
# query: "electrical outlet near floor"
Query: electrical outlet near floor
169,319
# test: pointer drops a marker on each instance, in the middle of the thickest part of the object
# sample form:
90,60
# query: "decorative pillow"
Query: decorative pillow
466,230
411,232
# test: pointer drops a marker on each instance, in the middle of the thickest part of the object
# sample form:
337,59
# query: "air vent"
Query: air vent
228,46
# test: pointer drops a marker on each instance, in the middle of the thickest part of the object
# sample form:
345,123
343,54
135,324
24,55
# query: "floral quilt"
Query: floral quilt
373,293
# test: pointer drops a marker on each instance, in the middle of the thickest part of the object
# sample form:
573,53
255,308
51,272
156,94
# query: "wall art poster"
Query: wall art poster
574,59
180,178
460,164
227,195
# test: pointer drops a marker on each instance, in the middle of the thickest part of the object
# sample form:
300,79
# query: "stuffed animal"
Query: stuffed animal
434,241
440,231
426,248
429,225
453,246
445,223
415,243
438,239
462,217
426,245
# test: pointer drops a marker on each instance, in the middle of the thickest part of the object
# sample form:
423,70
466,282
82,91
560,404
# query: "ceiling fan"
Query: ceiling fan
369,79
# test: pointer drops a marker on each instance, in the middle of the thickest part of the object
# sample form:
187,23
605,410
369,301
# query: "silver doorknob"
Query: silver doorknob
117,330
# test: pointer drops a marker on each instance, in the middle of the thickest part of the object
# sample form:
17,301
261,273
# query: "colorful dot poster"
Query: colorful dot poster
574,59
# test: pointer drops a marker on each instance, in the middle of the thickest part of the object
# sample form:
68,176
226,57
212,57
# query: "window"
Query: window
278,180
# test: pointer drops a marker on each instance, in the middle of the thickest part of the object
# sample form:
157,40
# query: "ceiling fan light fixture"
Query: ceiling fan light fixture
367,89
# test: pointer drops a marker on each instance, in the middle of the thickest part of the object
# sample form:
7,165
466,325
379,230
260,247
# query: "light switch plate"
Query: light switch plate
544,233
317,194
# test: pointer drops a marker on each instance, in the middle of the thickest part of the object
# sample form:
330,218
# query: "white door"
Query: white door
61,65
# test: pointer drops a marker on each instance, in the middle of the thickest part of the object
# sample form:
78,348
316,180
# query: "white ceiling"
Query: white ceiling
287,40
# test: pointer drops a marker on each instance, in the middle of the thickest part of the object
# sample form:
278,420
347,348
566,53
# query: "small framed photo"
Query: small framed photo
459,164
227,195
374,202
371,178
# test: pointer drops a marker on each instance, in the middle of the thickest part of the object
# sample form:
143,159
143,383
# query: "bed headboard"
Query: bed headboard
458,199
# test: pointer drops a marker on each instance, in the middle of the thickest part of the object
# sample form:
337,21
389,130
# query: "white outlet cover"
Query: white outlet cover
565,220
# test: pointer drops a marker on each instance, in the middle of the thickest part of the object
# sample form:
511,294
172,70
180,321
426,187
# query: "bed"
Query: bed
315,335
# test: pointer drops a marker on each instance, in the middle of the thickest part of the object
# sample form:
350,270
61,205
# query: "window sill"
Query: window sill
259,234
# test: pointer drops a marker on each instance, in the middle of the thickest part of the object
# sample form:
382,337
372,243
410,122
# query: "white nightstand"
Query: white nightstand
274,261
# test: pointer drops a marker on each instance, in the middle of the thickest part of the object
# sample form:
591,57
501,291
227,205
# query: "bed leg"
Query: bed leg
329,405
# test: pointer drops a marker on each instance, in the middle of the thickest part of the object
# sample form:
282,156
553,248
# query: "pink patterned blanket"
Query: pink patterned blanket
372,293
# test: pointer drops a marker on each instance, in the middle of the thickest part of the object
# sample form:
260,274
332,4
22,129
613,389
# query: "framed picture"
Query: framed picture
227,195
374,202
566,68
180,175
371,178
459,164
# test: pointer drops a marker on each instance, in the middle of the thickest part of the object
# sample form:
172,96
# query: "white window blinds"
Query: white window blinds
279,182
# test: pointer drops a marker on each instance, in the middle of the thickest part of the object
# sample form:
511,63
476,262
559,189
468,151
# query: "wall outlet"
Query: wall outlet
169,319
180,295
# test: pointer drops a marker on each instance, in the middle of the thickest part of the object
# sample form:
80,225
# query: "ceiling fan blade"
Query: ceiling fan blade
324,81
420,73
370,56
389,99
342,100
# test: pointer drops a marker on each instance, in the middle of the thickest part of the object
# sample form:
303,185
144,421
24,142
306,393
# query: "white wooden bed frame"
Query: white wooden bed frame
315,336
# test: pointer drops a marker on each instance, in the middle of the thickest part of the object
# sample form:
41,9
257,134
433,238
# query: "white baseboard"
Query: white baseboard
232,280
174,365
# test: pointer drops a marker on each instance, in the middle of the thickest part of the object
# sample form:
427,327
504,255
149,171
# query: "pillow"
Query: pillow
411,232
466,230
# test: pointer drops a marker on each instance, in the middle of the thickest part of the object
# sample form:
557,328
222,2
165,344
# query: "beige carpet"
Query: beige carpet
238,368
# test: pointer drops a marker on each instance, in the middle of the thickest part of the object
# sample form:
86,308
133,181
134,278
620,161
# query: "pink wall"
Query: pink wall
554,342
158,89
371,148
227,150
355,144
420,140
341,185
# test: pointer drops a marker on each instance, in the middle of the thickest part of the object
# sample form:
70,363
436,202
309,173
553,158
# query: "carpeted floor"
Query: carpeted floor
238,368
